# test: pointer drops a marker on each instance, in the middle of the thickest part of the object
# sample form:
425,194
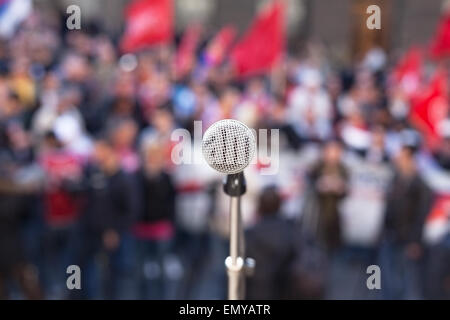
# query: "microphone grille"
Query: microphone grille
228,146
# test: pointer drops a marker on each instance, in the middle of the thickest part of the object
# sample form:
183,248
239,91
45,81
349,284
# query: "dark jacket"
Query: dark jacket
11,213
158,197
329,225
271,243
407,206
112,201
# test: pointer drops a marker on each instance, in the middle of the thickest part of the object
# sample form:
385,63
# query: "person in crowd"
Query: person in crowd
123,138
362,210
361,214
435,167
120,102
274,253
329,180
437,284
63,118
309,107
63,172
112,204
155,229
407,206
18,187
160,131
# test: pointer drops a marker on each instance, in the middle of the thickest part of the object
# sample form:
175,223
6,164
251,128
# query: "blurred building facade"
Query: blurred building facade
338,24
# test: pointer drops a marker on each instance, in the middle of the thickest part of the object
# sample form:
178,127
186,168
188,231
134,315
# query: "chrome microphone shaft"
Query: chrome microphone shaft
235,186
235,262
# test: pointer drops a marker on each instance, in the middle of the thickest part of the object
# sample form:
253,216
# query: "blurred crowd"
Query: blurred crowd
87,177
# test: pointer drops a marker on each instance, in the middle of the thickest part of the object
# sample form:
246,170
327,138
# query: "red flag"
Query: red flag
185,56
408,71
440,45
263,43
148,22
217,48
430,107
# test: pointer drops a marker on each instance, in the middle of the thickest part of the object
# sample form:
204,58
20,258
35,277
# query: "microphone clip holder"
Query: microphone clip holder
235,185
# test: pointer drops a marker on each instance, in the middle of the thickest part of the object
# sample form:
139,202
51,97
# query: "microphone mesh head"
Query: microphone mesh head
228,146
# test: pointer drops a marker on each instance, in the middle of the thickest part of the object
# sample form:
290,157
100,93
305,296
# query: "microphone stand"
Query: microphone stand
235,186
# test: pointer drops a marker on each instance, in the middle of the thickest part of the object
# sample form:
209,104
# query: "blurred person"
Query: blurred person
80,42
435,167
76,71
160,131
43,50
22,83
398,103
155,229
65,121
105,62
408,203
204,99
374,59
362,211
377,152
121,103
395,135
437,270
271,243
334,87
11,108
359,109
21,152
361,214
61,209
276,120
292,165
437,248
20,146
184,103
228,99
442,153
255,103
329,179
111,206
19,184
49,96
366,93
155,92
195,245
309,108
123,138
13,263
353,129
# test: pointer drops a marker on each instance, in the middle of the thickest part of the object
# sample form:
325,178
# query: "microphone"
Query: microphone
228,146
